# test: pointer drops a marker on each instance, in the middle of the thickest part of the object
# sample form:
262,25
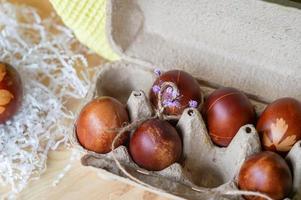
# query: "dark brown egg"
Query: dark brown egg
155,145
279,126
11,92
268,173
96,121
225,111
189,93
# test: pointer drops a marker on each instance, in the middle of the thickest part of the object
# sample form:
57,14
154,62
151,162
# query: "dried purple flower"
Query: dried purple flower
169,90
156,89
157,72
175,94
168,103
172,93
193,104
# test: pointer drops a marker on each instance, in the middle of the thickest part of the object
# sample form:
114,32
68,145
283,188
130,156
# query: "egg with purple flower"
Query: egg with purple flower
175,90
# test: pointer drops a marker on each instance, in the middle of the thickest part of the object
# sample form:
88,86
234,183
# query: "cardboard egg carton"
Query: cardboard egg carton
251,45
203,165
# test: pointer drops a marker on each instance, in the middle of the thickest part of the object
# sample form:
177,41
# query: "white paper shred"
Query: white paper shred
46,55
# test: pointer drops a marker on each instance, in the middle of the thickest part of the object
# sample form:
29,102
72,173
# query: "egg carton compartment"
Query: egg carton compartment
204,167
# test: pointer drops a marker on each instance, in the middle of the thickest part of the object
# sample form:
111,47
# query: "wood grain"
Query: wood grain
80,182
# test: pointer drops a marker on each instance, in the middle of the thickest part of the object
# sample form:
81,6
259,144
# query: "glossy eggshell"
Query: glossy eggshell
11,92
225,111
96,121
279,126
268,173
188,87
155,145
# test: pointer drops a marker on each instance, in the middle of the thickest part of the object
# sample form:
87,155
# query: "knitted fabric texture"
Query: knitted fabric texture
87,20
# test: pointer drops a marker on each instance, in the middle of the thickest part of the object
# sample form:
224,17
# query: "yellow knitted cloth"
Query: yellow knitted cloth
87,19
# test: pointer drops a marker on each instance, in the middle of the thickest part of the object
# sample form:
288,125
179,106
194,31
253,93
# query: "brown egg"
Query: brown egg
279,125
189,92
268,173
11,92
155,145
225,111
96,121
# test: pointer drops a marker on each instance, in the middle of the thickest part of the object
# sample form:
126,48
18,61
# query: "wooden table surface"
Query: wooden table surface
80,182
